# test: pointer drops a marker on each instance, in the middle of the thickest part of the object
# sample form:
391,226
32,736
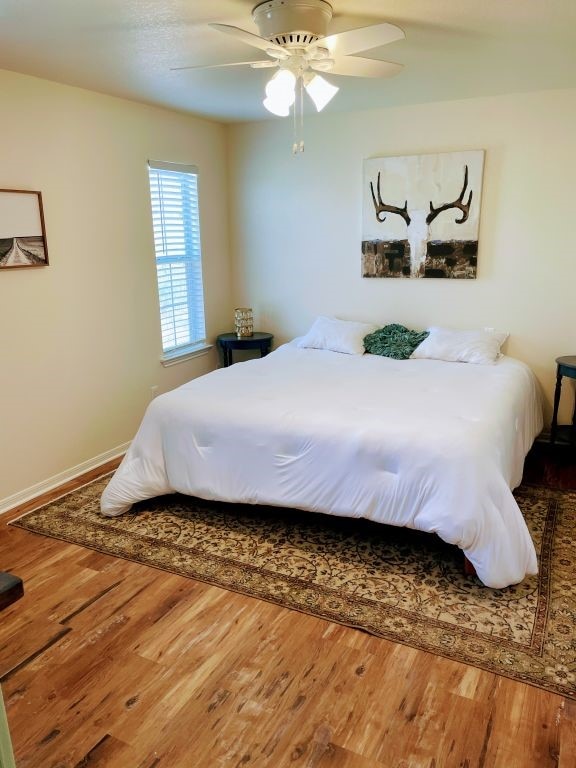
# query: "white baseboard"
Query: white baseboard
63,477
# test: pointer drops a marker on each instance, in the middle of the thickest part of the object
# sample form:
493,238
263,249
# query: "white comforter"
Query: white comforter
425,444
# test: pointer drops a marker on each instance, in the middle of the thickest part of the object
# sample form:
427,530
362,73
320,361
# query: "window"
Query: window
176,221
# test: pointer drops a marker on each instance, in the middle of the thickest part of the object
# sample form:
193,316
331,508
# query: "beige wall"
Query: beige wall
80,339
296,226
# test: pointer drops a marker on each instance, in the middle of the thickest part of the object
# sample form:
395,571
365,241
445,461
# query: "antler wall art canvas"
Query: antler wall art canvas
421,215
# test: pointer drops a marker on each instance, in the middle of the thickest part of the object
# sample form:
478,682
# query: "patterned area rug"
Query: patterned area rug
398,584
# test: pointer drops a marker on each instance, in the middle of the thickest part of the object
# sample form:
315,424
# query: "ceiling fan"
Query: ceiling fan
293,34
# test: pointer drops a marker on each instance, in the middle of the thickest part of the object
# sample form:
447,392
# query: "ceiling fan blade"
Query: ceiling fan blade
253,64
355,66
249,38
357,40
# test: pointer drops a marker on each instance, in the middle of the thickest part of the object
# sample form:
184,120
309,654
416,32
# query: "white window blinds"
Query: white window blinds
175,216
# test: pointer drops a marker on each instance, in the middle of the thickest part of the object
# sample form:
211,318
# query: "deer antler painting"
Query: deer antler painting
421,215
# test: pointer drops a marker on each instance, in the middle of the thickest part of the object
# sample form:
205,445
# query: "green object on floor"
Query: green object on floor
6,753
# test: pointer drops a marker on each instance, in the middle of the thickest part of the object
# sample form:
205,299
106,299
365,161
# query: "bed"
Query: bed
432,445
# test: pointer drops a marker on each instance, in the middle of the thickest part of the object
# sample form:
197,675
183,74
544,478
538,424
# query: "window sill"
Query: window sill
184,354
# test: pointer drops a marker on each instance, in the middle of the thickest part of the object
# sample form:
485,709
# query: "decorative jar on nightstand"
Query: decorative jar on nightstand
243,322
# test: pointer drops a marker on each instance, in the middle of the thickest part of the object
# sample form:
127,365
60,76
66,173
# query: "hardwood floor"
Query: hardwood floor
107,663
551,465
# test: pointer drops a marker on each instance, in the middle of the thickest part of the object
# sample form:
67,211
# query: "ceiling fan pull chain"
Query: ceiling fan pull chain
294,131
298,145
301,145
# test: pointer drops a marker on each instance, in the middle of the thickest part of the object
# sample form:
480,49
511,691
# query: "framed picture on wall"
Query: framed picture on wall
421,215
22,232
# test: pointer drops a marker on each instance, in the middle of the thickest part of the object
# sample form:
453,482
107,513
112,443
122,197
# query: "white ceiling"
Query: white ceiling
453,49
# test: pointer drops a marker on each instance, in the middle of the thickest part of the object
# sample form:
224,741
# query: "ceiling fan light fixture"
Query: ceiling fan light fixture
282,87
294,36
320,91
280,93
279,108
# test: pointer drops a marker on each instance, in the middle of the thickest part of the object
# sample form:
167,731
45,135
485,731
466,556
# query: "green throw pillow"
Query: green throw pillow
394,341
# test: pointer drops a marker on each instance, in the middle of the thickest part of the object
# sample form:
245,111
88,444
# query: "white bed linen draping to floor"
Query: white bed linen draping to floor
426,444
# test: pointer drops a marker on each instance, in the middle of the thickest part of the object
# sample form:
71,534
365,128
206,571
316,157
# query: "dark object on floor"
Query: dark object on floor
11,589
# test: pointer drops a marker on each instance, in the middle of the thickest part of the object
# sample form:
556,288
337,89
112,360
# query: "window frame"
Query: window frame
183,352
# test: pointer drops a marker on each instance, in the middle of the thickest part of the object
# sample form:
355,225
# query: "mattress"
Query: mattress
427,444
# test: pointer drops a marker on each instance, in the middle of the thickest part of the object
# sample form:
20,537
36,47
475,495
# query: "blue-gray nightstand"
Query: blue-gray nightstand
565,366
230,341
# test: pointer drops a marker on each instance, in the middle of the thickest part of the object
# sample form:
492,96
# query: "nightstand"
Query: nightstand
230,341
565,366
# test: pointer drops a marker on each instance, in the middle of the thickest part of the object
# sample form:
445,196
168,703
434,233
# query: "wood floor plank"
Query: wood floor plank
108,753
566,718
28,640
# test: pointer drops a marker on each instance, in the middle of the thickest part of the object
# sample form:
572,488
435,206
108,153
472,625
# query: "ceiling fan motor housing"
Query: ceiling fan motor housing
296,22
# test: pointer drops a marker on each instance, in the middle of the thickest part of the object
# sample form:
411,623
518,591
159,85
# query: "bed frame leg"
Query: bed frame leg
469,569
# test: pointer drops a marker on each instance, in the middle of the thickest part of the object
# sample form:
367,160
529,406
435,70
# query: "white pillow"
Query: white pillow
480,347
337,335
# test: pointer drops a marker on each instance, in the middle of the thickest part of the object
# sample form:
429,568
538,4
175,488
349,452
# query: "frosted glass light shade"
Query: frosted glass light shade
280,93
282,87
320,91
279,108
